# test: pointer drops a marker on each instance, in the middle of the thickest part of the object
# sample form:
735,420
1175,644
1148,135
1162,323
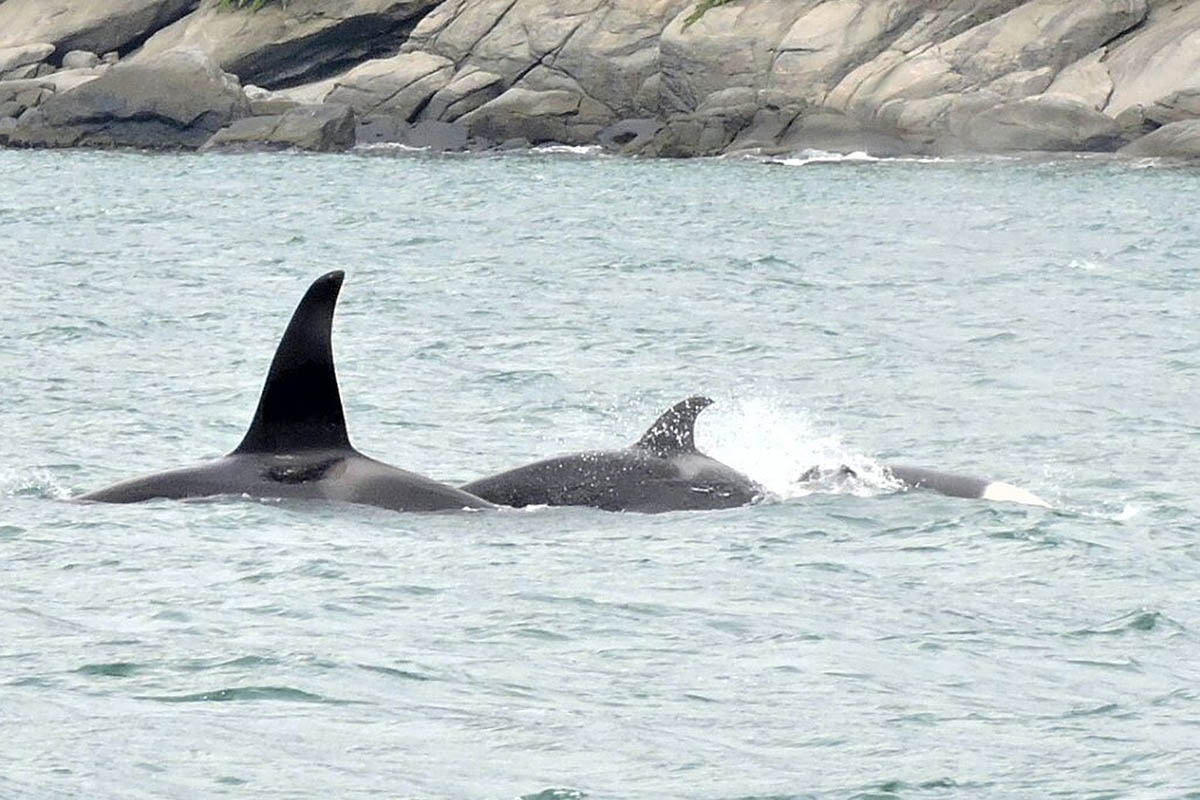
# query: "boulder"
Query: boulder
322,128
80,59
7,126
378,129
1044,122
97,27
1159,59
399,86
467,91
22,73
609,48
302,41
1176,140
177,100
13,57
1175,107
538,115
434,135
629,135
931,87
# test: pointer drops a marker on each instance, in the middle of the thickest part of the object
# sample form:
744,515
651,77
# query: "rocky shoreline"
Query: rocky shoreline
888,77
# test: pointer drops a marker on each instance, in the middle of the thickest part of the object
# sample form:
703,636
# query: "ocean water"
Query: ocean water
1030,321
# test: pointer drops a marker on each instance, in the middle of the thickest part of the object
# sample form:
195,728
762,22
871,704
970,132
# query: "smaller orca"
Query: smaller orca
963,486
297,445
663,471
945,483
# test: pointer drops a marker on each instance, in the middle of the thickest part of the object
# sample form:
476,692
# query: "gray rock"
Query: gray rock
434,135
80,59
265,103
10,108
629,135
22,73
835,133
13,57
610,49
554,115
94,26
303,41
329,127
33,97
177,100
111,57
1133,123
1176,107
467,91
1176,140
7,126
400,85
1160,58
1044,122
379,129
10,89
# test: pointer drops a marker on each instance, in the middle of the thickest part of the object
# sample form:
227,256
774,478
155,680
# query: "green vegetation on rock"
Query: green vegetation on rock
701,7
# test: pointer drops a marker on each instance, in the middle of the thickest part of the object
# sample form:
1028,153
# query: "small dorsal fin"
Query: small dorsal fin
674,431
300,407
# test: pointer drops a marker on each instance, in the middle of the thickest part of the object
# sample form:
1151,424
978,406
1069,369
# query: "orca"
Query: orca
663,471
945,483
962,485
297,445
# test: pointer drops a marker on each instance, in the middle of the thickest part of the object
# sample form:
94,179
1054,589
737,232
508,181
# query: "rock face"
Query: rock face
652,77
95,27
399,86
22,56
280,46
320,128
177,100
1177,140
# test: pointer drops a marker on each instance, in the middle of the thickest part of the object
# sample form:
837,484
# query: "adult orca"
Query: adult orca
297,445
663,471
945,483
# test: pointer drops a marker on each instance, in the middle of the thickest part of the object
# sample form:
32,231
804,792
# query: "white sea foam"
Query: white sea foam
814,156
1001,492
578,150
811,156
31,483
777,446
1127,512
405,148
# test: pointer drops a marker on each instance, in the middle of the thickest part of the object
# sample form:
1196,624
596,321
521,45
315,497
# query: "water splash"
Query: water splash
812,156
782,449
32,482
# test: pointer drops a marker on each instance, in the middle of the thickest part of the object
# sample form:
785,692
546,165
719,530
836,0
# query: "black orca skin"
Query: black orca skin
297,445
663,471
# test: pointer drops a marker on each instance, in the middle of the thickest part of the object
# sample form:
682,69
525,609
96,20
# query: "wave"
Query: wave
781,449
32,482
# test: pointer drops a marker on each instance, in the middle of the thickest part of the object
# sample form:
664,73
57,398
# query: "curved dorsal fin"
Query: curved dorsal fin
300,407
674,431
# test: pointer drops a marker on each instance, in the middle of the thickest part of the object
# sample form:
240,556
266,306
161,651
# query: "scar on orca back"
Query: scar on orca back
301,474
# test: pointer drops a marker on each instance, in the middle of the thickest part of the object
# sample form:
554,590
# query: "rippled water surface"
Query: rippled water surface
1032,322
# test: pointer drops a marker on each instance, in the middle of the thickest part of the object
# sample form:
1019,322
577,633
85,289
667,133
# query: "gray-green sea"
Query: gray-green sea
1029,321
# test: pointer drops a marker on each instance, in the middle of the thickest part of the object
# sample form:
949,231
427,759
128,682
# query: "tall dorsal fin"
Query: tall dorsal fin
300,407
674,431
